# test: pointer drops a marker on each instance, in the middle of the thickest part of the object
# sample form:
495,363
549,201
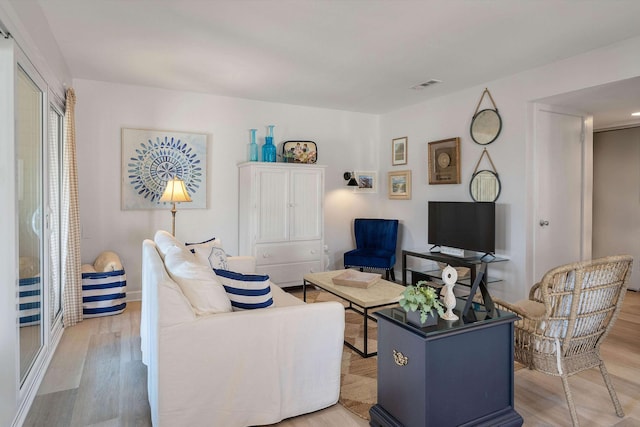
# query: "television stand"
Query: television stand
478,277
487,257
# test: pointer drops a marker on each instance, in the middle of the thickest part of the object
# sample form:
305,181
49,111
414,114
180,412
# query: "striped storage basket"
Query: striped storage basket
29,301
103,293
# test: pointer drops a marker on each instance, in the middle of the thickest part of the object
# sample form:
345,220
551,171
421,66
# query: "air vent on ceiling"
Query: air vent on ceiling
426,84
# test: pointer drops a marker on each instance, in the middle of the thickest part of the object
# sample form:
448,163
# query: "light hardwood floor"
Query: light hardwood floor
96,378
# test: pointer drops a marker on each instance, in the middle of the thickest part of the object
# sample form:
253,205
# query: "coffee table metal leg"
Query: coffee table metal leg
304,290
366,340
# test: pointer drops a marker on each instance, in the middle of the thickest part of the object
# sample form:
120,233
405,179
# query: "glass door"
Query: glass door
29,149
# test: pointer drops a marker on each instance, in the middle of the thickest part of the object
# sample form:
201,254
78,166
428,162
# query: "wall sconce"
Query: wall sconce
351,176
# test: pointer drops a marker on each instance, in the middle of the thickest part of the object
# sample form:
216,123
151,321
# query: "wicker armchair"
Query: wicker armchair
566,318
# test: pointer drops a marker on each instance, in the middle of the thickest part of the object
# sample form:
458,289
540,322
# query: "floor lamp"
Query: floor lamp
175,192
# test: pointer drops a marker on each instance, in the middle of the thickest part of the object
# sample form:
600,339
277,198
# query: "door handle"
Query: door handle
544,223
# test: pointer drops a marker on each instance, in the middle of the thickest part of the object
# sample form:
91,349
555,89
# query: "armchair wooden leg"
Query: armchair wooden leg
393,275
572,407
612,391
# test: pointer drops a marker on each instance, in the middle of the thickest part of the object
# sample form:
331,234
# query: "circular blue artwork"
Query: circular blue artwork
156,160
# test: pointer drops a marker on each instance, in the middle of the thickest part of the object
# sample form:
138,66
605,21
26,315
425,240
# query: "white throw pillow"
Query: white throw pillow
165,240
210,252
198,282
214,241
246,291
212,256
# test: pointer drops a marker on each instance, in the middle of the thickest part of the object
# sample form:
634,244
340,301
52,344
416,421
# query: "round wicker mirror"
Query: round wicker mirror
486,126
485,186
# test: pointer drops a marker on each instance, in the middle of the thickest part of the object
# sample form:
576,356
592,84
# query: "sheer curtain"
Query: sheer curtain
71,262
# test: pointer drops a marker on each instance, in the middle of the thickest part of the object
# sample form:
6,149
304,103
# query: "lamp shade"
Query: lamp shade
175,191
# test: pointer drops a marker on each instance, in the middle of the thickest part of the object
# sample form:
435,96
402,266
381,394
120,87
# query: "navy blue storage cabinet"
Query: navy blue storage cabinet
457,373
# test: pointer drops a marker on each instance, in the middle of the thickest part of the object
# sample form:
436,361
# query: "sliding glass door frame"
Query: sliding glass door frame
27,375
18,389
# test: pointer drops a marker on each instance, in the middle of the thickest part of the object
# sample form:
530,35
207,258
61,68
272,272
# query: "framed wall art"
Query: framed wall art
444,161
152,157
399,151
367,182
400,185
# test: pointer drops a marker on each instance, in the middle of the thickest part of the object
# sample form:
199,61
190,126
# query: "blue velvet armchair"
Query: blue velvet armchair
375,245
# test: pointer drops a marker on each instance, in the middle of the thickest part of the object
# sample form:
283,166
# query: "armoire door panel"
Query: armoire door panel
306,205
273,217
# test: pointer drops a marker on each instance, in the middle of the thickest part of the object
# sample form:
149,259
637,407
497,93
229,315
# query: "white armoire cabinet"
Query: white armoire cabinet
281,219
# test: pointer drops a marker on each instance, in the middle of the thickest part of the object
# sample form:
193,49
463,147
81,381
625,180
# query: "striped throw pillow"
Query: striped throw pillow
246,291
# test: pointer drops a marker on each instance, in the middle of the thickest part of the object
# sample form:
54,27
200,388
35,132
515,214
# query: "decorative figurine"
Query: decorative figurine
449,277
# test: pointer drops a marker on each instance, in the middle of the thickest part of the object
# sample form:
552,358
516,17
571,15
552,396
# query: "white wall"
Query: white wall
616,196
36,41
450,116
346,141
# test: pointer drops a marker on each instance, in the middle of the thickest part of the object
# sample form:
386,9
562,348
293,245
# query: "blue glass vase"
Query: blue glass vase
253,147
268,149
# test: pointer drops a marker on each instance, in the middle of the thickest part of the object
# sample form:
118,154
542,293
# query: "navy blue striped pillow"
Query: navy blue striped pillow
246,291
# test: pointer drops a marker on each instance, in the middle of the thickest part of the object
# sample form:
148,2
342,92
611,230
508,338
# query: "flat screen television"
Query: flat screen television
463,225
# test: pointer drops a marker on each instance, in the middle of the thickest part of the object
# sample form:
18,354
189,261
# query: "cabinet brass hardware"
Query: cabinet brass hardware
400,359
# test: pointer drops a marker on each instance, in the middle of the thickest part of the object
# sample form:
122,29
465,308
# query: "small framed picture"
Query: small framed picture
367,182
444,161
400,185
399,151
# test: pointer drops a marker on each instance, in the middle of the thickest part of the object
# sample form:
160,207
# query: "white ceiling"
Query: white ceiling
356,55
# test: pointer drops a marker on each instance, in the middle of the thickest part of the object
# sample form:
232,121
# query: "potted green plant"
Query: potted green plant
424,299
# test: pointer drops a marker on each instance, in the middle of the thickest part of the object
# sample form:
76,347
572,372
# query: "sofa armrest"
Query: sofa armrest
242,264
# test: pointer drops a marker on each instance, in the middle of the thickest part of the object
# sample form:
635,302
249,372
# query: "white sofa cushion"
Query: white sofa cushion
198,282
246,291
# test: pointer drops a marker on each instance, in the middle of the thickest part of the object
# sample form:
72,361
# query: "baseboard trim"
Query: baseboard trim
134,296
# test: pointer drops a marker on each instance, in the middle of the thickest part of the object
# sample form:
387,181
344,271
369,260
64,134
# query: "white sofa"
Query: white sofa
239,368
